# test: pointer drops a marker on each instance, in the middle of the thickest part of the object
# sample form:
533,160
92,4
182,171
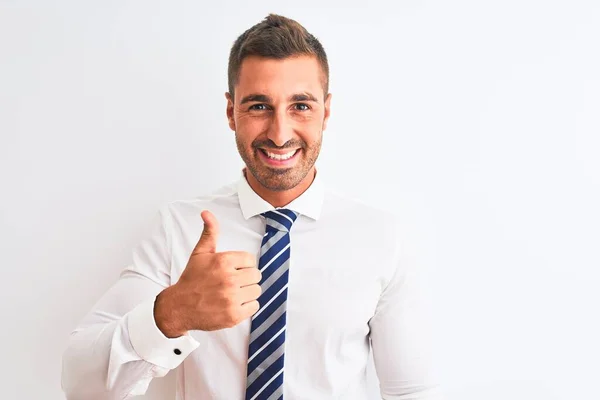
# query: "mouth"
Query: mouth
287,159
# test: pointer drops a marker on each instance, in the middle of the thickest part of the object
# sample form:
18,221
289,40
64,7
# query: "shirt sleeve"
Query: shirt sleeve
117,349
400,335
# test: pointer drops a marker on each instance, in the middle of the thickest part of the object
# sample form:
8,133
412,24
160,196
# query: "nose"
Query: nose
281,129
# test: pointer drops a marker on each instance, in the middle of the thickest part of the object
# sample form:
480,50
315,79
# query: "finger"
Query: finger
239,259
249,293
247,260
248,276
249,309
210,232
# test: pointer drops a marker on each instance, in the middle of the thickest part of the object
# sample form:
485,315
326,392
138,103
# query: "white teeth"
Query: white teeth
282,156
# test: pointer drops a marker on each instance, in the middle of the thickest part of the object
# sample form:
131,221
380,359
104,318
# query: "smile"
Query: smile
275,159
280,156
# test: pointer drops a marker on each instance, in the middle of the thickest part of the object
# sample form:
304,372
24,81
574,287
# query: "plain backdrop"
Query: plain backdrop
477,122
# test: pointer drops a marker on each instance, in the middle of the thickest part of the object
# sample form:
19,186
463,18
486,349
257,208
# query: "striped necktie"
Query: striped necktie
267,333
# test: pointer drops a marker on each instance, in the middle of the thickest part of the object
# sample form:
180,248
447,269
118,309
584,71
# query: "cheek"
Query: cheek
311,128
251,126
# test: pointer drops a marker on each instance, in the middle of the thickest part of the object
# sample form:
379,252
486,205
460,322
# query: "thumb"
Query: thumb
210,233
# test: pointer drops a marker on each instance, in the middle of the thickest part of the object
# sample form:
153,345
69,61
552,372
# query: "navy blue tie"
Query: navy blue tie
267,333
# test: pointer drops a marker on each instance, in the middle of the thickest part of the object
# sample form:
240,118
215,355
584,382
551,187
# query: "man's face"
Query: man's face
278,114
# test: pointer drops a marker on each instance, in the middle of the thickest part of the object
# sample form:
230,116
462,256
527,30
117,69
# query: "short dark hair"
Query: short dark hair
275,37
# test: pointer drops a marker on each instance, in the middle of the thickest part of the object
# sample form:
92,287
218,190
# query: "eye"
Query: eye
258,107
301,107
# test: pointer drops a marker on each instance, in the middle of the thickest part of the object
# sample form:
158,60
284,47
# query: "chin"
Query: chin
280,182
278,179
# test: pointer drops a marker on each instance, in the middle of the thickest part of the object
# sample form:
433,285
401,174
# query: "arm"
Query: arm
399,337
118,349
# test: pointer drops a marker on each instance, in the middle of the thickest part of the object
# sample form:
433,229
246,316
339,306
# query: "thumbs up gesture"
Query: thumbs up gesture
215,291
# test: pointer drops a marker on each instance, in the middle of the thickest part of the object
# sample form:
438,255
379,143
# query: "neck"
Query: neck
282,198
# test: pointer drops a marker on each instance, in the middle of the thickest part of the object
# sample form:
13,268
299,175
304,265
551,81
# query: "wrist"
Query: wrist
165,315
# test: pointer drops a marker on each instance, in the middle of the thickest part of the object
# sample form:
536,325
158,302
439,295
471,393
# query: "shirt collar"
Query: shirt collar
308,203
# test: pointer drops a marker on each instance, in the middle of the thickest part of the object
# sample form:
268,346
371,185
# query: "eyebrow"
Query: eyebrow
306,96
256,97
303,97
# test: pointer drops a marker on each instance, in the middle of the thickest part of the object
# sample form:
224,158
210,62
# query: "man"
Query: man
289,283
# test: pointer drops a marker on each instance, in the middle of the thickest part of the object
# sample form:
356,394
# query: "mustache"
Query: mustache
292,144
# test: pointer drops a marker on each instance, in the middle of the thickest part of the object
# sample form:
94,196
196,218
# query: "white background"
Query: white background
478,122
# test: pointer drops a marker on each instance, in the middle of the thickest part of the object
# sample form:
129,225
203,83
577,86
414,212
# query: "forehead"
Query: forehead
280,77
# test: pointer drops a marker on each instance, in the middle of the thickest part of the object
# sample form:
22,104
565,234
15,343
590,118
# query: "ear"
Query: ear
230,118
327,110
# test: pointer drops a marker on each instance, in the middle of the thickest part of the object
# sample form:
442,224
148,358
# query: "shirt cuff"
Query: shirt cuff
151,344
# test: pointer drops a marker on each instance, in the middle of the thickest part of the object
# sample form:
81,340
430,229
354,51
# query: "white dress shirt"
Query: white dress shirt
351,285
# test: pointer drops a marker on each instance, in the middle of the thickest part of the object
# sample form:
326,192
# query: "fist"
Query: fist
215,291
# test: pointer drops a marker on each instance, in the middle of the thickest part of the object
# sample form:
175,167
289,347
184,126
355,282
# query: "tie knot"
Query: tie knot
281,219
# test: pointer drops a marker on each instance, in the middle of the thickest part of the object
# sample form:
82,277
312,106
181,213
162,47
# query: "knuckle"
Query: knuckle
237,259
228,302
229,282
221,260
250,259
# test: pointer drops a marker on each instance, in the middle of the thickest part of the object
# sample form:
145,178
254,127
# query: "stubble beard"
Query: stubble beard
279,179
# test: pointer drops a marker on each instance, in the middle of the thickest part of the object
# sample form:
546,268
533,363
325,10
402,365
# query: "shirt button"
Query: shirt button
177,351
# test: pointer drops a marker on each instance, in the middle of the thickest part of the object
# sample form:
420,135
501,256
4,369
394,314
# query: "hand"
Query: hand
215,291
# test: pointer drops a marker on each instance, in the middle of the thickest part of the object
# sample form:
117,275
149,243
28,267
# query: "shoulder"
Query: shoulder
218,200
357,212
